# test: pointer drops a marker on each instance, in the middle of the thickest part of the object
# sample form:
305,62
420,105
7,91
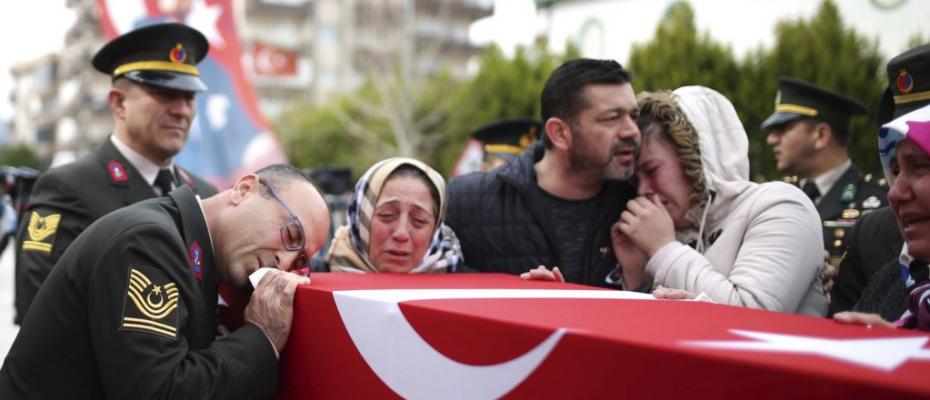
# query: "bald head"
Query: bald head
273,218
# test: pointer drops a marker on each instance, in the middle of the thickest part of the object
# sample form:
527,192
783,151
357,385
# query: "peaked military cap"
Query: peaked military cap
164,55
908,84
508,135
800,99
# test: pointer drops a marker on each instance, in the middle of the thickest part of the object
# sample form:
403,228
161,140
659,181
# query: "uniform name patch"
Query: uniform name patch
41,228
151,303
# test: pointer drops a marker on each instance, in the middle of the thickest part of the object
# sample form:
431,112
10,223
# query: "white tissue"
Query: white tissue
257,276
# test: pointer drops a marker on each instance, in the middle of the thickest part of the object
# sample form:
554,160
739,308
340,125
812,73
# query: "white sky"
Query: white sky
32,28
29,29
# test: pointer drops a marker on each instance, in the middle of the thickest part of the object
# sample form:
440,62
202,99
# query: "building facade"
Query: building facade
293,50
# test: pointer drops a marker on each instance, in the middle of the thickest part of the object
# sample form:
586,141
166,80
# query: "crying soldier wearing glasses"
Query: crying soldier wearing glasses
130,310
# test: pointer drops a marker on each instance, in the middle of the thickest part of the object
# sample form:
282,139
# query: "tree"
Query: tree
364,126
502,88
407,97
677,56
19,155
825,52
820,50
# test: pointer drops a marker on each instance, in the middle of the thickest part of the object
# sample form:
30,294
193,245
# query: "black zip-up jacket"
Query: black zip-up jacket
503,226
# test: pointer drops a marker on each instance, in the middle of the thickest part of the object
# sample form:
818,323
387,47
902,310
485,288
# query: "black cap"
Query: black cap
164,55
908,84
508,135
799,99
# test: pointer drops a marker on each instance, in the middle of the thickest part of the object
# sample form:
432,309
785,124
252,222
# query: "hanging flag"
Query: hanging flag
271,61
229,136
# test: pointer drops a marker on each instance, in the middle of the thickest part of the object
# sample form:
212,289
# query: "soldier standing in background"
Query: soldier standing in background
155,78
808,133
504,139
875,241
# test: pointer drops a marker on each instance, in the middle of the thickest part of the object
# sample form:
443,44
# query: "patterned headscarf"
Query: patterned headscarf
349,251
914,126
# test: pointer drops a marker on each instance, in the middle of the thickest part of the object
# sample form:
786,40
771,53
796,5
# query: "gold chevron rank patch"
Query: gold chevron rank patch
151,303
41,228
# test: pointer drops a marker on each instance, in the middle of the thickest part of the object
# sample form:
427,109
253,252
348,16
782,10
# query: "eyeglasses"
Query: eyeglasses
292,233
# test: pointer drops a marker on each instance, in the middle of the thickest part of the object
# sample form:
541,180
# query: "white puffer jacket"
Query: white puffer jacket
760,244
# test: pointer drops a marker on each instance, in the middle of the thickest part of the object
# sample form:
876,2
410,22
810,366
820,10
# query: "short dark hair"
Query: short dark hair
563,94
278,175
839,129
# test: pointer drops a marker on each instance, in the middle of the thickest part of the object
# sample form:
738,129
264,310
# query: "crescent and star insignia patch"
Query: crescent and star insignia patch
41,228
151,303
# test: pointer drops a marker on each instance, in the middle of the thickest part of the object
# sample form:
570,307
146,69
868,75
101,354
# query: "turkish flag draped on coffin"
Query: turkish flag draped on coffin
492,335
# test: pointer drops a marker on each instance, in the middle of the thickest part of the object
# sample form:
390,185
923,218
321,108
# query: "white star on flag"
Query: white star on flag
885,354
205,18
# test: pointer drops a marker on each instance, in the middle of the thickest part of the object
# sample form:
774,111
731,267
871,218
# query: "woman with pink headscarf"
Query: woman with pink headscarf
900,291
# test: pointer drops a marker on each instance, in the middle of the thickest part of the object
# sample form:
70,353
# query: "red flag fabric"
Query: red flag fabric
492,335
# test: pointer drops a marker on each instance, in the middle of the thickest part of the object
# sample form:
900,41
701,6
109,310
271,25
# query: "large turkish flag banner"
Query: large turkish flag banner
490,336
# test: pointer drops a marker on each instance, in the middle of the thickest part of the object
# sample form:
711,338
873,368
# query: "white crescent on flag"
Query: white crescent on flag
403,360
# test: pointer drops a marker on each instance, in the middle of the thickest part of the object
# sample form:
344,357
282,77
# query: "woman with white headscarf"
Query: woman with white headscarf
700,225
395,223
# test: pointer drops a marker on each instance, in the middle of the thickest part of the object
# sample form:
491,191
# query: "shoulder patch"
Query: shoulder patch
151,303
41,228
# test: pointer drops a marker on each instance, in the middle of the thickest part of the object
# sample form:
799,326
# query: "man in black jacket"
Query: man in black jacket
554,205
130,310
154,72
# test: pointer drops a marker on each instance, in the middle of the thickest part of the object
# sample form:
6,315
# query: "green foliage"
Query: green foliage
19,155
823,51
820,50
356,129
678,56
914,41
361,127
502,88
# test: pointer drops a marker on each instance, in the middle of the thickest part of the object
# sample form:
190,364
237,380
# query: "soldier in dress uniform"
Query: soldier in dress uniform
505,139
154,80
808,133
130,310
875,241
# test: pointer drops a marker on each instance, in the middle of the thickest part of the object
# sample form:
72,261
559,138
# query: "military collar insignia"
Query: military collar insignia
905,82
178,54
117,172
849,193
196,259
151,304
41,228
